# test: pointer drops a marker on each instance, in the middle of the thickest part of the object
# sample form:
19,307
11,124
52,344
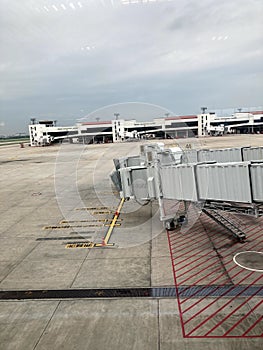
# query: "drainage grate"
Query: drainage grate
158,292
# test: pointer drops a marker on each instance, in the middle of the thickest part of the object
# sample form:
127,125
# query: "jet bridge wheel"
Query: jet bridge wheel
170,225
173,223
182,220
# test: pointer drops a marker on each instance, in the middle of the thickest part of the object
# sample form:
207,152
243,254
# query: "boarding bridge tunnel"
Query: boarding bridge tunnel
226,183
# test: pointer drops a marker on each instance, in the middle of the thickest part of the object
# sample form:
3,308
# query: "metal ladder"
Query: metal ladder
226,223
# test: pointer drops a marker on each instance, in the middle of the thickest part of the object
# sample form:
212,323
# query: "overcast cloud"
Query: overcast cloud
64,59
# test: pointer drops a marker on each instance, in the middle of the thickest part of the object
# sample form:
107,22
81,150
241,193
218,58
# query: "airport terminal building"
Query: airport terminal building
45,132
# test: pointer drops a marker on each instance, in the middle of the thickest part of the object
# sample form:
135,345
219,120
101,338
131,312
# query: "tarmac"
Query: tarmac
56,199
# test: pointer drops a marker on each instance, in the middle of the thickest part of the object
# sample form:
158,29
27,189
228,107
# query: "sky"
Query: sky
65,59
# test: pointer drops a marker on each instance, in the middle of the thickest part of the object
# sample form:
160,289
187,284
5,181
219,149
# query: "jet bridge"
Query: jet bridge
216,186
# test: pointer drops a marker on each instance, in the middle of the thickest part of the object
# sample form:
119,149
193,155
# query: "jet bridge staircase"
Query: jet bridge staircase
226,223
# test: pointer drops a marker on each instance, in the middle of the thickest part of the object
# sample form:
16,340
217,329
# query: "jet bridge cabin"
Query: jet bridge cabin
235,186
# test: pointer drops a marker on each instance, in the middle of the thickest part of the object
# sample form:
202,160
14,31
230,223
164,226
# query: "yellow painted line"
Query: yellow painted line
63,227
86,221
74,221
80,245
113,224
106,239
100,245
94,208
100,212
87,245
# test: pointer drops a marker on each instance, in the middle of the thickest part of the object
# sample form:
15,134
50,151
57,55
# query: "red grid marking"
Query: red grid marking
222,316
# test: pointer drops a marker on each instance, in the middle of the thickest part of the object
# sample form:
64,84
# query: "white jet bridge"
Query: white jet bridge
216,181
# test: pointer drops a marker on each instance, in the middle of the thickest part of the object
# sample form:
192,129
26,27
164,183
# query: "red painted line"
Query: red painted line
200,264
213,314
192,241
221,235
198,301
251,237
243,318
237,248
233,311
247,246
184,238
192,262
216,242
200,257
252,326
177,292
202,229
207,275
203,225
253,228
190,256
178,248
205,297
197,248
232,252
225,237
209,284
222,285
247,231
178,263
196,225
213,281
213,235
253,231
229,261
220,336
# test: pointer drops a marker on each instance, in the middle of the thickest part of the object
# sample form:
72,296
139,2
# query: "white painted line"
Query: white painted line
244,267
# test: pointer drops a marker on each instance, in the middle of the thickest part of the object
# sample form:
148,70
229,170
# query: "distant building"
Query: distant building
95,132
239,122
46,132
